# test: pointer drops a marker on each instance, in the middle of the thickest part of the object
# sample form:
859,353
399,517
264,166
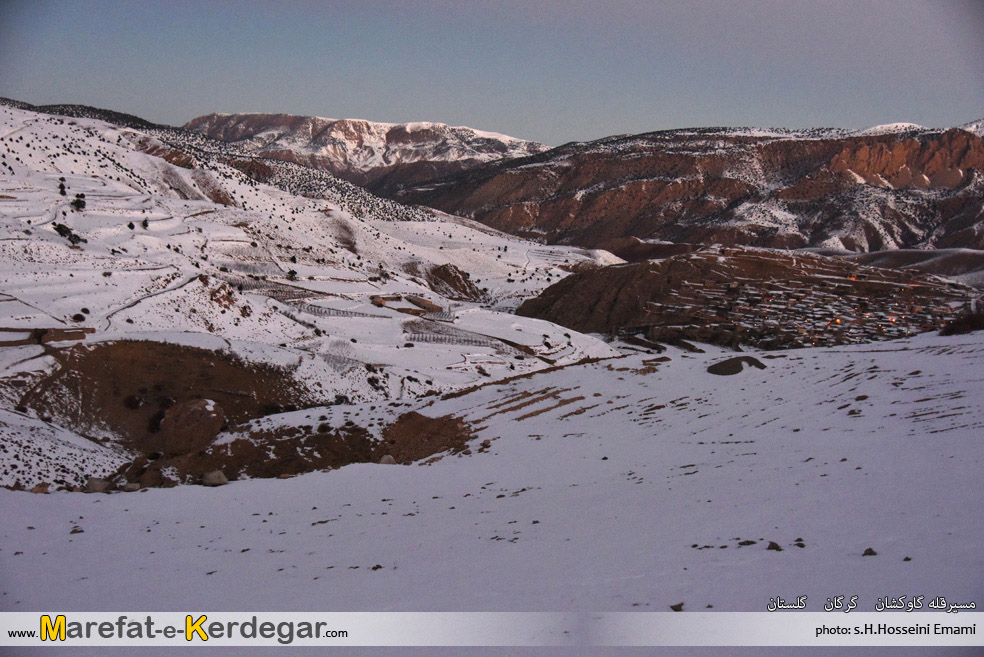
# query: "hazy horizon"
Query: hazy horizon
549,71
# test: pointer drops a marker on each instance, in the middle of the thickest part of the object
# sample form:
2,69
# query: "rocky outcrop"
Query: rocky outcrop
938,162
453,283
778,189
732,366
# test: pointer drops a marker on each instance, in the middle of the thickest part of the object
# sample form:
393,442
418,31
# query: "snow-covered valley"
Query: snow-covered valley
583,474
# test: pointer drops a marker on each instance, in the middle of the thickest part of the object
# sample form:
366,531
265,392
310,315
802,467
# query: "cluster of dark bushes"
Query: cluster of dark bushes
964,323
68,234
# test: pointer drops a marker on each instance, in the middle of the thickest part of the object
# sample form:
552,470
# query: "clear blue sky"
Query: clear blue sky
549,70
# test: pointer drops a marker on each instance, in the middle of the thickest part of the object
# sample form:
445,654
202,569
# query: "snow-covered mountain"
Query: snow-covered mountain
103,233
890,128
890,187
381,156
976,127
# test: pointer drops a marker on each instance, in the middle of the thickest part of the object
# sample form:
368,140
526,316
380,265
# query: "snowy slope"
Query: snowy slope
37,451
205,256
627,484
598,477
253,231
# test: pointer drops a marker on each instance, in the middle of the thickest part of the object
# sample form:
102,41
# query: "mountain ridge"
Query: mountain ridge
363,152
893,186
770,188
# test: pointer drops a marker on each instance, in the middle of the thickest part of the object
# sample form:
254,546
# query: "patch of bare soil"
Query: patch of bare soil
288,451
735,365
172,155
211,187
126,388
282,452
255,169
169,403
414,436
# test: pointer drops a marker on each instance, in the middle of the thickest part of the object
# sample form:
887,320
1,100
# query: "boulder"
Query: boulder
131,487
133,470
96,485
150,478
387,460
214,478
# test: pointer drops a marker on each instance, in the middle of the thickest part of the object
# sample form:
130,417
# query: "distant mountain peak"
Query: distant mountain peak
976,127
890,129
380,156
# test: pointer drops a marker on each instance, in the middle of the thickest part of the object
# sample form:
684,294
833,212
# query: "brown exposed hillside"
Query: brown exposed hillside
939,162
738,296
126,388
782,190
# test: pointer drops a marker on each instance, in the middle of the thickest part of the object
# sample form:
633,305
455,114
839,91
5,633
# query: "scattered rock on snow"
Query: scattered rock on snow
214,478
